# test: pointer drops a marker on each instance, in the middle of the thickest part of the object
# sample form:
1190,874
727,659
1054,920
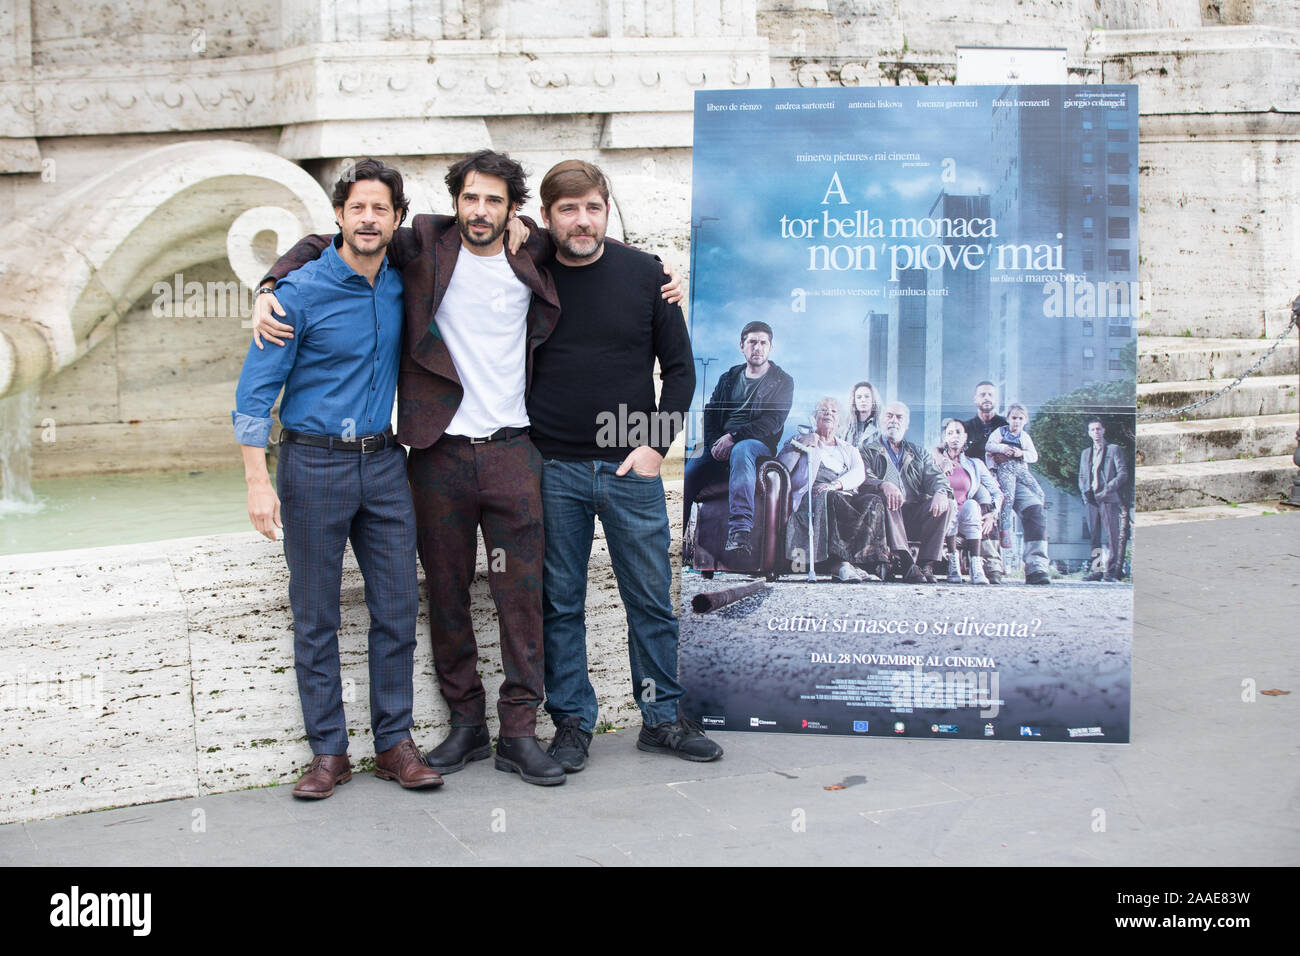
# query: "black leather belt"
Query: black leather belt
365,444
501,434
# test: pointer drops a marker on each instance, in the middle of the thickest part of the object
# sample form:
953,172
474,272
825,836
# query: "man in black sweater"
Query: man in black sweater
602,437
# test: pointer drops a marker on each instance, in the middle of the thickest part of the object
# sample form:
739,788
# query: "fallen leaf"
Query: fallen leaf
1275,692
835,786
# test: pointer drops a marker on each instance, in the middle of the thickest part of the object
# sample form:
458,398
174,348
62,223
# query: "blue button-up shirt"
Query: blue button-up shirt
339,371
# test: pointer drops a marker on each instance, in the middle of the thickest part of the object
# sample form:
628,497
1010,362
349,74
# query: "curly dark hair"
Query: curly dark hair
943,430
489,163
372,169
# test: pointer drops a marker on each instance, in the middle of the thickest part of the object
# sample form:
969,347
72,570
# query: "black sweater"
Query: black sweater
593,393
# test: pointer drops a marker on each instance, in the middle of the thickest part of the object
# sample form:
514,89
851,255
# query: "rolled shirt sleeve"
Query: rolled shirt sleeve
264,374
250,430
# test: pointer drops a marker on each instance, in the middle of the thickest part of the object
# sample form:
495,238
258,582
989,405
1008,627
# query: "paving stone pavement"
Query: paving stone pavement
1210,778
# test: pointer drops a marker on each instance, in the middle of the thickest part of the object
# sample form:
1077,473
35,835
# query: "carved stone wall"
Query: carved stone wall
84,90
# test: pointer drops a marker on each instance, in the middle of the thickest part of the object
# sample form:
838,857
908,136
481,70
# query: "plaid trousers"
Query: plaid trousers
326,499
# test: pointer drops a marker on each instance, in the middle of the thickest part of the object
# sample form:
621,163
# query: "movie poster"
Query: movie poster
912,319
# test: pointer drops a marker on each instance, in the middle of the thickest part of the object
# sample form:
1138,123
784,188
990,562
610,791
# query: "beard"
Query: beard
568,246
496,229
356,238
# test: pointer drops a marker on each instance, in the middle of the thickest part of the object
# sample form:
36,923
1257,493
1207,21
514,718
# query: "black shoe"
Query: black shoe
682,737
462,745
570,745
737,541
1037,577
737,553
523,755
1095,576
901,568
1110,579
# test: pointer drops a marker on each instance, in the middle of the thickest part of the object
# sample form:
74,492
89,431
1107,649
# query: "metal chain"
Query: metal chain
1231,385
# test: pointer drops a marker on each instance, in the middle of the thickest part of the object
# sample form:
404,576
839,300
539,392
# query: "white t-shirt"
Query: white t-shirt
483,318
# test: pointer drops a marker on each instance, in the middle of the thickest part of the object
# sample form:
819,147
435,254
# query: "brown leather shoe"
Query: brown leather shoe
325,771
405,764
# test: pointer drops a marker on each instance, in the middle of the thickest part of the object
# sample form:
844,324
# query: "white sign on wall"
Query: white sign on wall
1012,66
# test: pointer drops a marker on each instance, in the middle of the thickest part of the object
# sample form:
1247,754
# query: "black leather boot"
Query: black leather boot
462,745
523,755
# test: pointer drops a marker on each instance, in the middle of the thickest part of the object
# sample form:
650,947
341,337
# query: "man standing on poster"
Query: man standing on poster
743,421
1103,475
979,428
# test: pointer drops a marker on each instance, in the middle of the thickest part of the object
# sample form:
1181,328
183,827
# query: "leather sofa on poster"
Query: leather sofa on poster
706,534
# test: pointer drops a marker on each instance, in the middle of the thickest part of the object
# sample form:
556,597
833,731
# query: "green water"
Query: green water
102,510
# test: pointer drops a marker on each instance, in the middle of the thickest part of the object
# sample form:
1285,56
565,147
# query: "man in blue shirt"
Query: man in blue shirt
341,477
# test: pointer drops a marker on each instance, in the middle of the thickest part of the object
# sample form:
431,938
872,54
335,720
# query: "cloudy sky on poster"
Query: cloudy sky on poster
889,165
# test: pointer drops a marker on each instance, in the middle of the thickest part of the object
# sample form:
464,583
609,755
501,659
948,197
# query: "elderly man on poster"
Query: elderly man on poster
918,498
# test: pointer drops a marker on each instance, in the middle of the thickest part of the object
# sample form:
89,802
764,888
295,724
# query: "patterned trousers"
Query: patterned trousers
459,487
326,499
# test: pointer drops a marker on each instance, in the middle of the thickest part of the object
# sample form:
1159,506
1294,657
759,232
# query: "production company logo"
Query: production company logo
1030,731
860,726
760,722
714,721
899,727
1084,731
943,728
988,729
813,725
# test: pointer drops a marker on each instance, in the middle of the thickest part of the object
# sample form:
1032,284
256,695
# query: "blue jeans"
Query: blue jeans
741,469
635,518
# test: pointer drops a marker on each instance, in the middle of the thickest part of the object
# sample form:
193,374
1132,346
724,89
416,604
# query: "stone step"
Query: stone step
1257,395
1177,359
1243,509
1216,439
1194,484
1223,318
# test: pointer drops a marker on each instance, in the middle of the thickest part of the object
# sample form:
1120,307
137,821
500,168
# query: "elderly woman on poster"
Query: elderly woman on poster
863,425
848,528
978,500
